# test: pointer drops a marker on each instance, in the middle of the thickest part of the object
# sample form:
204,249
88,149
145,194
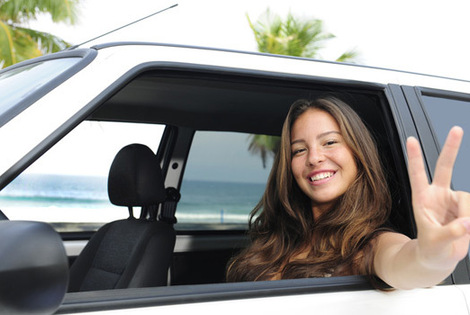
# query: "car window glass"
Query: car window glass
19,83
223,180
67,186
444,113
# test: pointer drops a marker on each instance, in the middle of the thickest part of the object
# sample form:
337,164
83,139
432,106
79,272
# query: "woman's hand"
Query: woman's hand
442,215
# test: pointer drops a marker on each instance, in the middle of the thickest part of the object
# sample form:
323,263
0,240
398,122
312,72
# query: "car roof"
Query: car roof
289,64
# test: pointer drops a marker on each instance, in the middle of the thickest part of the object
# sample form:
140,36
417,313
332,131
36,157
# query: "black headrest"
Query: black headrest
135,178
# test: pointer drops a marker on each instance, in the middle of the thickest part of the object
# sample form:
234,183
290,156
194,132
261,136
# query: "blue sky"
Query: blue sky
423,36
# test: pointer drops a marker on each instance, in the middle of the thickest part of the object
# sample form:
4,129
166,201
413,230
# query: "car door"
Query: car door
335,295
438,111
434,112
234,97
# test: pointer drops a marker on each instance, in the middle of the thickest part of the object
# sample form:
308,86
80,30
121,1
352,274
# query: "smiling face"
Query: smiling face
322,163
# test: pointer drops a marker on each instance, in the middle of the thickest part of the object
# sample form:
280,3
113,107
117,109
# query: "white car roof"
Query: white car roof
138,53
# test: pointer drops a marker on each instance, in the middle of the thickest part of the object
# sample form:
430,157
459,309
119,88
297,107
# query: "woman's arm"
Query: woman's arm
443,220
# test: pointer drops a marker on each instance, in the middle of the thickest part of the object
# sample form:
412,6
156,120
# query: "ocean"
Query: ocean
68,198
217,202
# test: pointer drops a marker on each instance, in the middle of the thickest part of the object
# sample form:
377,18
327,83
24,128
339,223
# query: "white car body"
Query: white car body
114,65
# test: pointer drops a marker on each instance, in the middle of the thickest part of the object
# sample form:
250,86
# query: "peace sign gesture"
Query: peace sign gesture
442,215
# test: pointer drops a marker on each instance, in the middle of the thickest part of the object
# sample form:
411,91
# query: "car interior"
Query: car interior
133,252
194,100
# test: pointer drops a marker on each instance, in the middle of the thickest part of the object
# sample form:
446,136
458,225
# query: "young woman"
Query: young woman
324,212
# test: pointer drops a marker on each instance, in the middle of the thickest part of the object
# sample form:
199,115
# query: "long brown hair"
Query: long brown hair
286,241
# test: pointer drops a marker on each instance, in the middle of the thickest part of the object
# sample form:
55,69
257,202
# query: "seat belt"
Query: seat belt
167,213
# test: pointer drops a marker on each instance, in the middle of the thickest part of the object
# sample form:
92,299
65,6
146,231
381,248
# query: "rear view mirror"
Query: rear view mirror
33,268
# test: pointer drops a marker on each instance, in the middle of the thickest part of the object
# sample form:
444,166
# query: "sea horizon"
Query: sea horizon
82,198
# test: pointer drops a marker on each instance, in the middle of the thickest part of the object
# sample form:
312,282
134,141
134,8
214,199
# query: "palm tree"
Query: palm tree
293,37
18,43
263,145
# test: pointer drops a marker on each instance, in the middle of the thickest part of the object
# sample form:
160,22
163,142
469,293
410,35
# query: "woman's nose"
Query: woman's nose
315,156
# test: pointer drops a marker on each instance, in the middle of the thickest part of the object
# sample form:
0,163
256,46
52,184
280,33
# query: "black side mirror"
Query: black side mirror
3,216
33,268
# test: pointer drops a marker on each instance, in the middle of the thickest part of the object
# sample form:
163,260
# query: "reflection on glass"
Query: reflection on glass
445,113
18,84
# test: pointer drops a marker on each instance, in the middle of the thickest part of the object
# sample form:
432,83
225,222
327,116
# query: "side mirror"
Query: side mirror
3,216
33,268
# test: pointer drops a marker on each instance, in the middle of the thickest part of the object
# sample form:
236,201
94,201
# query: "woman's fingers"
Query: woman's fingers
446,160
463,203
444,166
442,215
456,230
416,171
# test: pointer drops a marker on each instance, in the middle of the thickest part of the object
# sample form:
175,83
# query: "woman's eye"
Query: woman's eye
295,152
331,142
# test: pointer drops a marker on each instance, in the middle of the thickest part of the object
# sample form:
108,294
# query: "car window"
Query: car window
18,84
444,113
67,186
223,179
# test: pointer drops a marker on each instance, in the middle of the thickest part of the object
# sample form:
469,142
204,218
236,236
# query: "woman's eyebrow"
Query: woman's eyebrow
297,141
326,133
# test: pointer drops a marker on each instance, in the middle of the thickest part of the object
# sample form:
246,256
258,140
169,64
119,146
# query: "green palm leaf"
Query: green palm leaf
24,46
18,43
7,54
263,145
47,43
21,11
348,56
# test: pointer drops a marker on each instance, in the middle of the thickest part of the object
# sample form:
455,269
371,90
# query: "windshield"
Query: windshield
21,86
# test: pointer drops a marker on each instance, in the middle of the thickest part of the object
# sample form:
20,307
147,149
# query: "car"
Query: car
75,124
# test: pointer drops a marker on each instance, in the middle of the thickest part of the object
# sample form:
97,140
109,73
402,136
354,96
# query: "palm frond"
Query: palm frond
61,10
46,43
25,47
18,43
292,36
348,56
268,33
7,51
263,145
20,11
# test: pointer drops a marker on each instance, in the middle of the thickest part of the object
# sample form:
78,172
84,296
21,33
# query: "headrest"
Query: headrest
135,178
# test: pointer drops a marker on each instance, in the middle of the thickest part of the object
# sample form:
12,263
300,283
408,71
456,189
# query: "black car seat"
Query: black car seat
132,252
